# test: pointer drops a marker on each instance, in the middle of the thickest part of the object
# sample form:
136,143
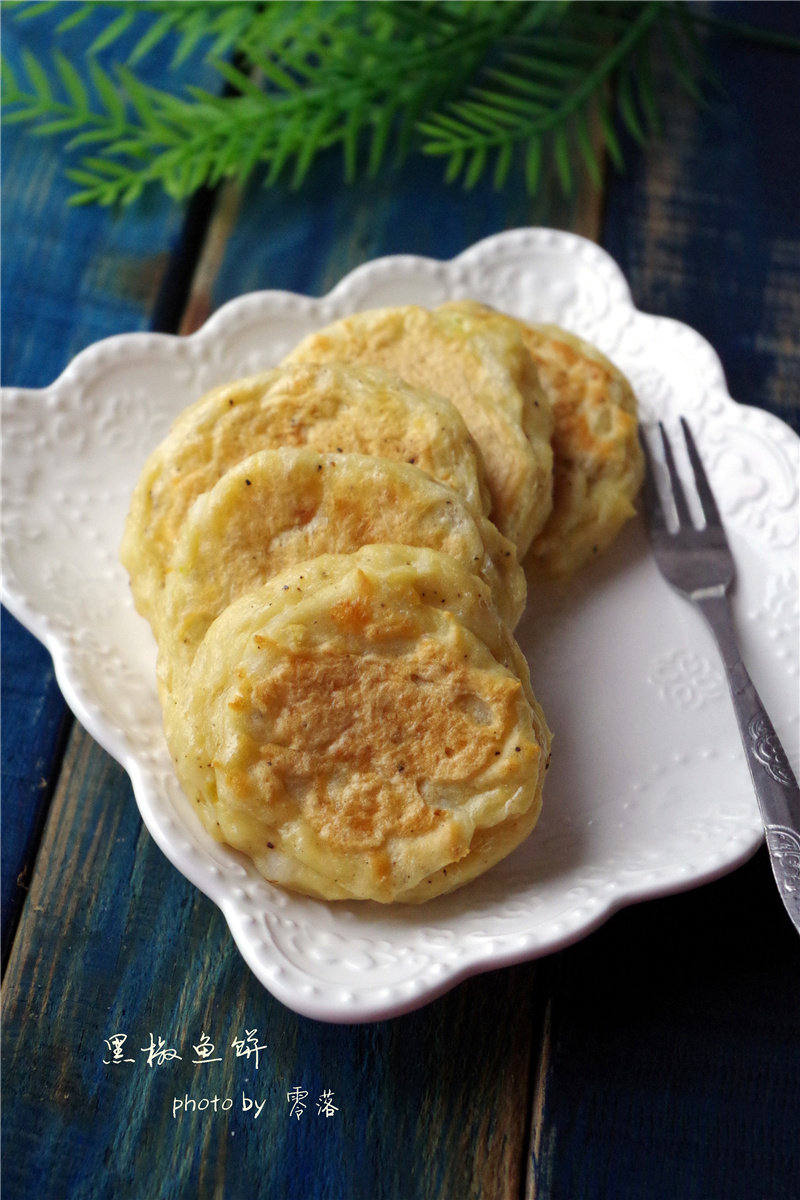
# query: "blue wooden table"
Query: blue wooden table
660,1056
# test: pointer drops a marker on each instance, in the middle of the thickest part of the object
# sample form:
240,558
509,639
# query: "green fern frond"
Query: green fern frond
187,24
551,96
488,88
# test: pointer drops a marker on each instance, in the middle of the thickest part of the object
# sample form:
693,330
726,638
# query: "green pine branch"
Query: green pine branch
484,86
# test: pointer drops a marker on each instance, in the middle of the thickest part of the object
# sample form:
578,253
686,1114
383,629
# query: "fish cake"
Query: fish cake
598,461
363,727
598,464
327,407
485,370
279,507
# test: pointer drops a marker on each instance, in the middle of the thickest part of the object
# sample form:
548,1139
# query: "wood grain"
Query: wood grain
705,223
307,241
673,1068
70,277
35,723
674,1060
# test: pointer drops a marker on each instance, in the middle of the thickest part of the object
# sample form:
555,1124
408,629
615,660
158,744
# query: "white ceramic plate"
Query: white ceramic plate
648,791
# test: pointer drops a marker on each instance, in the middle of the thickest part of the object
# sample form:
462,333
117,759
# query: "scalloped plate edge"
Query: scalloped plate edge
365,1008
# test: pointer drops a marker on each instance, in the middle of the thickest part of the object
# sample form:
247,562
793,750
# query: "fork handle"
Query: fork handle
773,779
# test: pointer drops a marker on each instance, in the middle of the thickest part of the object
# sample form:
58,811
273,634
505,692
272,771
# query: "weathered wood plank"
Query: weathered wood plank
35,723
306,242
673,1062
706,224
672,1067
70,277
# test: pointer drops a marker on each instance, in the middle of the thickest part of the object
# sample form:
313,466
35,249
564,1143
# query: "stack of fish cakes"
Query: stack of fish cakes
343,696
329,556
331,408
563,459
283,506
484,368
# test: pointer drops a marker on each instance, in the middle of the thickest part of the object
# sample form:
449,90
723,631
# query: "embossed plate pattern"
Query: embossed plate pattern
648,793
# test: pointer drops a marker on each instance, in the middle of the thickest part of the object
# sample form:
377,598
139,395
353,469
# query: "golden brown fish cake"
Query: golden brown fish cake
327,407
598,459
279,507
363,724
484,369
598,465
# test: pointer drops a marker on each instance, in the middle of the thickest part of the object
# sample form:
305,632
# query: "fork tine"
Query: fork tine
706,497
678,494
650,496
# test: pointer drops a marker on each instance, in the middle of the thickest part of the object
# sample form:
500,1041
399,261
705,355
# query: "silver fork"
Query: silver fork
698,563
